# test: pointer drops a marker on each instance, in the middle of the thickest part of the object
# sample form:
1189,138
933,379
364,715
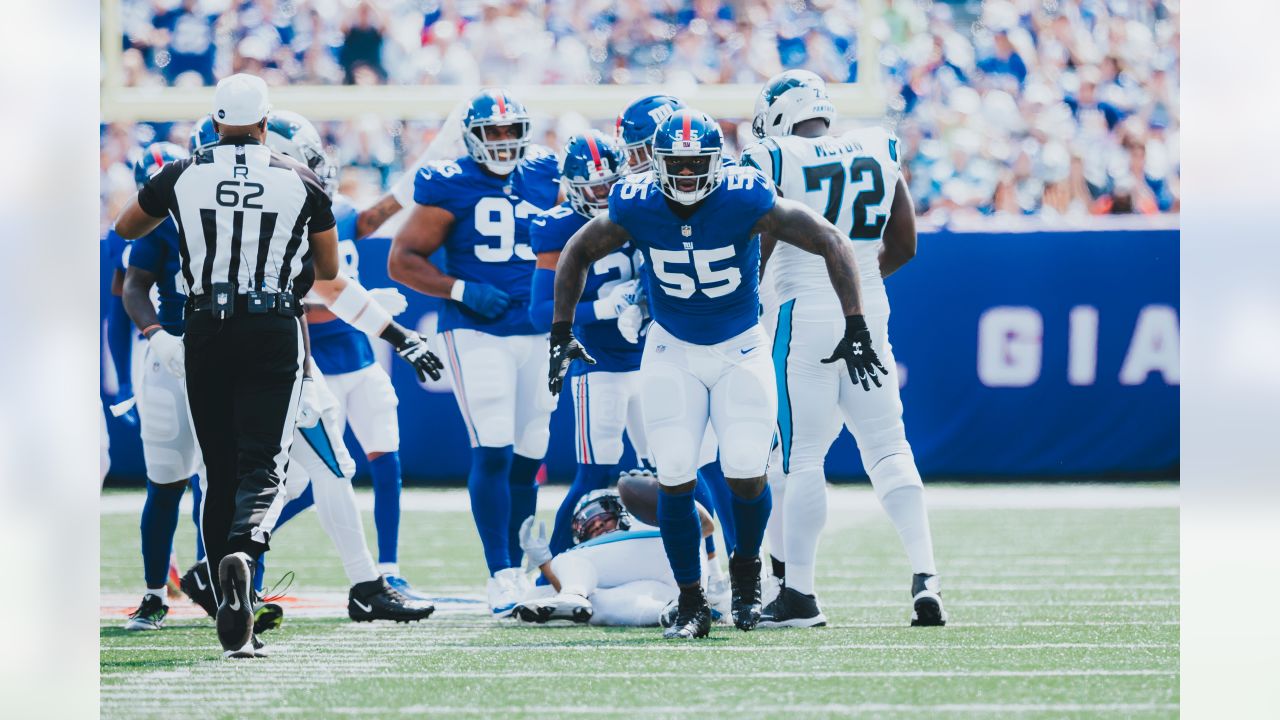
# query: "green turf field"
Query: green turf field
1063,603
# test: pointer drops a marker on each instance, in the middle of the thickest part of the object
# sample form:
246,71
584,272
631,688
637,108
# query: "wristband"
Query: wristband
853,324
455,292
561,331
395,334
147,331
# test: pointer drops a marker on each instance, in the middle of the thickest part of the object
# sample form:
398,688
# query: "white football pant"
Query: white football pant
604,405
319,456
169,444
500,384
731,384
628,581
367,401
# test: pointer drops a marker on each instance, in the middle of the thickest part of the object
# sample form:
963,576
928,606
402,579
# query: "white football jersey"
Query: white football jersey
850,180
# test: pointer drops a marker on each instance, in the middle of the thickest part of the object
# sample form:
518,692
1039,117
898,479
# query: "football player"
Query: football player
606,396
478,208
706,355
340,326
856,181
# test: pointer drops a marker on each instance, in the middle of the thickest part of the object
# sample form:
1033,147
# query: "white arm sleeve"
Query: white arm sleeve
357,308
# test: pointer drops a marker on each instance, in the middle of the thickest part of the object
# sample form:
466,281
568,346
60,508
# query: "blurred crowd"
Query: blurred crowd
1055,108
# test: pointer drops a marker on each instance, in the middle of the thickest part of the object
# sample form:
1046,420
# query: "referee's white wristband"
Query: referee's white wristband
455,292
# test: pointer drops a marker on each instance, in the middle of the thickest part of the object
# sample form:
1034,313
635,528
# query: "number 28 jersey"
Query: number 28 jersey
850,180
702,272
489,240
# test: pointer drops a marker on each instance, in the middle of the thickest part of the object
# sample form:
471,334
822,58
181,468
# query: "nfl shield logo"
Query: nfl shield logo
686,230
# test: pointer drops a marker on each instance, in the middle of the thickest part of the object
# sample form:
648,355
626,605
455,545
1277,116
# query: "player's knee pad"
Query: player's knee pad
894,472
577,574
169,445
880,438
371,411
674,453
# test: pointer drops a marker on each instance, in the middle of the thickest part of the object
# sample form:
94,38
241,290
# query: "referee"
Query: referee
256,228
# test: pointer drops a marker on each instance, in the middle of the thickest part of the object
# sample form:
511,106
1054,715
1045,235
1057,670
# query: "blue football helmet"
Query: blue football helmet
637,123
591,514
203,135
491,109
154,157
592,164
689,141
293,136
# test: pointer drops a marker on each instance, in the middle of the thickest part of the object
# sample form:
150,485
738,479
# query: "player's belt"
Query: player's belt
251,303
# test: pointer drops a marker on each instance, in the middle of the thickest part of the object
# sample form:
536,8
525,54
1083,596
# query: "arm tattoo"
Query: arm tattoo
795,223
372,217
593,241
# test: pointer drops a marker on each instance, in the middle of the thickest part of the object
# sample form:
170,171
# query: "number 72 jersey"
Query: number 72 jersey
850,180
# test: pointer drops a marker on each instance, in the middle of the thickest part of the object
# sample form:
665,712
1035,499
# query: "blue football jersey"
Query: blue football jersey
489,240
703,273
549,233
336,347
157,252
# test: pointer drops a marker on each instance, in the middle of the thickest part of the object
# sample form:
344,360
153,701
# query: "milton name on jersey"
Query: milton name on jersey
489,240
703,271
851,180
550,233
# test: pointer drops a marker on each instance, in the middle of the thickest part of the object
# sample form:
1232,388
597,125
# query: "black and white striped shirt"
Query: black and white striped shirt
244,215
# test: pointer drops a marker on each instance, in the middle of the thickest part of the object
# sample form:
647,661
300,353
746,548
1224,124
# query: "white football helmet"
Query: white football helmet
790,98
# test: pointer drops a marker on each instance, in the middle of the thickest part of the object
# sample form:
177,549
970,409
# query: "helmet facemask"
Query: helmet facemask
590,196
598,513
688,175
498,155
639,157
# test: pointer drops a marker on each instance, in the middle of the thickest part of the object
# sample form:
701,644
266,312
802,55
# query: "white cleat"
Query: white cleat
720,597
505,589
573,608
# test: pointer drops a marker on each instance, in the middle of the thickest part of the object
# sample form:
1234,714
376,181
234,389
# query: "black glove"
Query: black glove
565,348
414,350
856,352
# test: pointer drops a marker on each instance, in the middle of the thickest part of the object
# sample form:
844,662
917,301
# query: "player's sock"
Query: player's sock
386,504
906,510
777,567
750,517
159,592
159,523
678,521
488,484
588,478
524,500
294,507
702,493
775,531
722,497
259,573
805,506
195,515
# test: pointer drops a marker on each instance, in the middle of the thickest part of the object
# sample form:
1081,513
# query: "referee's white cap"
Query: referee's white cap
240,99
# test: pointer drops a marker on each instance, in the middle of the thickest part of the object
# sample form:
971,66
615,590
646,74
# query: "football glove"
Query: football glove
631,323
565,348
410,346
390,299
622,296
486,301
537,550
311,405
169,352
128,416
856,352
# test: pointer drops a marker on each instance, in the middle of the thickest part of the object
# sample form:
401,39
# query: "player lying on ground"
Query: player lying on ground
616,573
704,359
856,181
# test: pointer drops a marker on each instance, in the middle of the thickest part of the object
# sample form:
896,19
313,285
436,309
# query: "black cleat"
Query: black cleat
149,615
926,599
199,588
235,612
267,616
792,608
744,576
376,600
692,617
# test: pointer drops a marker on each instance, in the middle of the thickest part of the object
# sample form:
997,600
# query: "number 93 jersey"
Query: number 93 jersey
489,240
851,180
702,271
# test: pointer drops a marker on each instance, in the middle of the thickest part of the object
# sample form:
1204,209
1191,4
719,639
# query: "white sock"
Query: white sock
158,592
773,531
336,510
713,567
906,510
805,507
389,568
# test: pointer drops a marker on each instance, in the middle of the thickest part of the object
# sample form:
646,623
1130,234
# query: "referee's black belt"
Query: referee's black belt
252,303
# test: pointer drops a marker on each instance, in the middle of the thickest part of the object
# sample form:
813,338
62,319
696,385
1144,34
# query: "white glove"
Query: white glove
622,296
629,323
390,299
169,352
537,550
312,405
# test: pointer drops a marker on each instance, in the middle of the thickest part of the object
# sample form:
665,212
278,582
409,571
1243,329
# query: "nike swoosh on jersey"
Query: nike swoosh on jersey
362,606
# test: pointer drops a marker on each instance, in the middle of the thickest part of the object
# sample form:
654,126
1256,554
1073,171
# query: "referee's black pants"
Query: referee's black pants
244,380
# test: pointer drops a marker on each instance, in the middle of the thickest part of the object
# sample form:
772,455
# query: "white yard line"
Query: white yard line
436,647
754,709
775,675
841,499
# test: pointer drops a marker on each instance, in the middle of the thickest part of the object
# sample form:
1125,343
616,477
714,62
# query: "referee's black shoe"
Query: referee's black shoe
744,577
235,612
376,600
